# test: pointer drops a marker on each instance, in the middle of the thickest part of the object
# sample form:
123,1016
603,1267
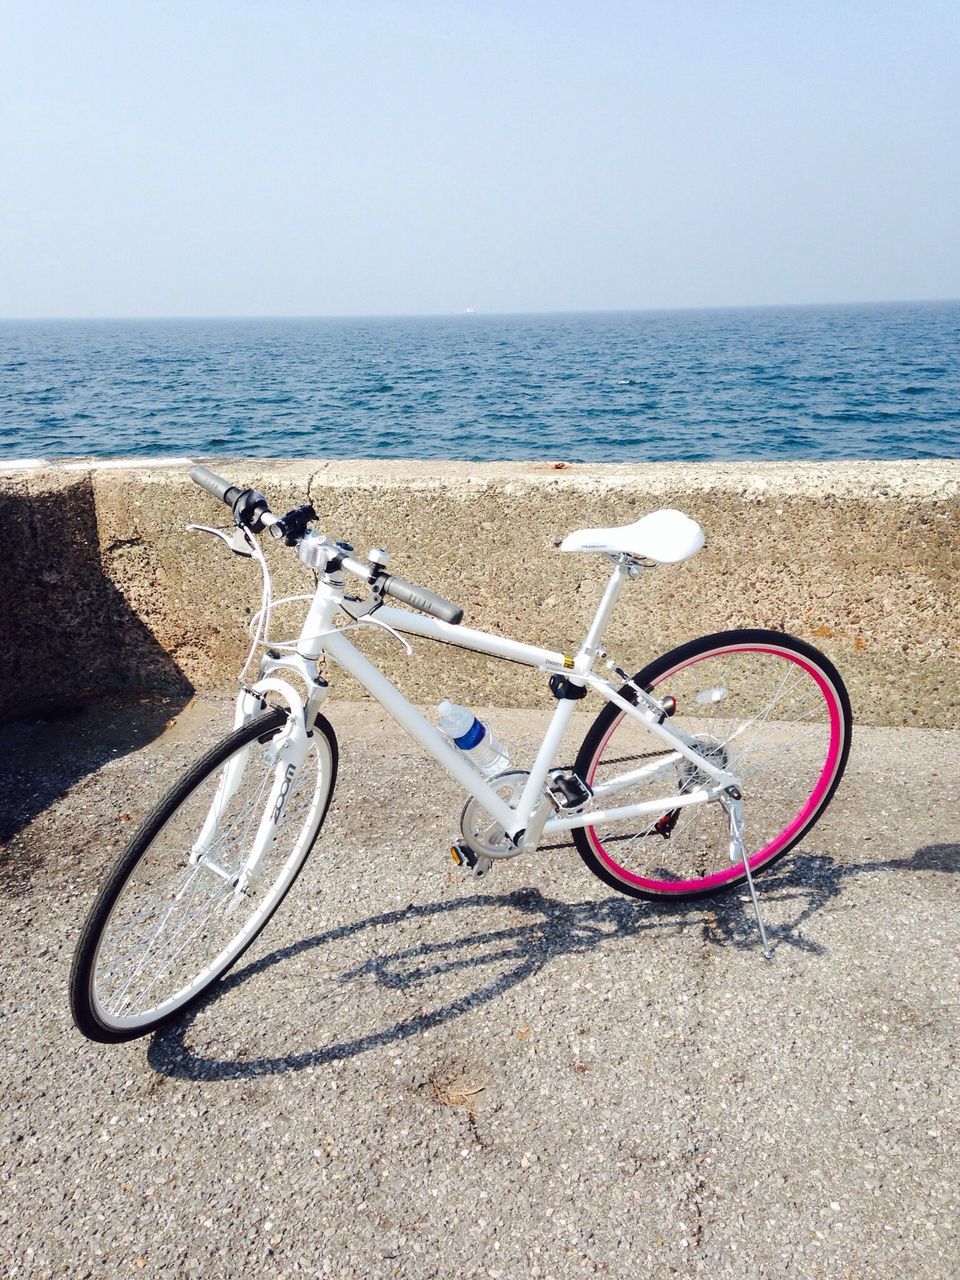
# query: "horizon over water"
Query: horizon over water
798,382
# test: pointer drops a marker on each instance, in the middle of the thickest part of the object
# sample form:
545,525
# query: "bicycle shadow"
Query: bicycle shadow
553,929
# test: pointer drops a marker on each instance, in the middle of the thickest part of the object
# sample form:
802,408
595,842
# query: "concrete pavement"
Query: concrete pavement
416,1074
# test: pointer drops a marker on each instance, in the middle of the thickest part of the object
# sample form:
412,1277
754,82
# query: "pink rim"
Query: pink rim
779,842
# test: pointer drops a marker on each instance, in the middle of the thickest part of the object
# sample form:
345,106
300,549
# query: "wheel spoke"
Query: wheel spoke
203,916
142,946
774,729
175,925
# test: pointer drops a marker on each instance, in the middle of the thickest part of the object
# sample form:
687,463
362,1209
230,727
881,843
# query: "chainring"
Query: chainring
482,832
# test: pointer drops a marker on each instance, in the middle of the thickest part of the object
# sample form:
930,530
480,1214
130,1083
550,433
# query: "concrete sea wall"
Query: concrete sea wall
104,590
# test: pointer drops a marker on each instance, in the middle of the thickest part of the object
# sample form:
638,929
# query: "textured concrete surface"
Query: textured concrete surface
418,1075
861,558
67,628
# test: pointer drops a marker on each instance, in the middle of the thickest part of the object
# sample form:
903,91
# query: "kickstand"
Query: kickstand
733,804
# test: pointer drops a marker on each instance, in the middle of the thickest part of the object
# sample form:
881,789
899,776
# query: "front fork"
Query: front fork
286,753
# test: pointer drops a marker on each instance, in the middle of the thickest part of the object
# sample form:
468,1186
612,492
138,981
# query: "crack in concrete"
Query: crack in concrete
312,478
123,542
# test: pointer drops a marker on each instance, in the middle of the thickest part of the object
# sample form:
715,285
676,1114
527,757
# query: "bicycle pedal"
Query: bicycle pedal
473,863
568,792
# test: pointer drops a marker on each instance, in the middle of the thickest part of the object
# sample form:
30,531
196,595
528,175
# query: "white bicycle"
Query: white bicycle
699,771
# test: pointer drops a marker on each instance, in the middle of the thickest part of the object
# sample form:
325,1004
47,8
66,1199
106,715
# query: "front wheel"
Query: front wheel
762,705
169,920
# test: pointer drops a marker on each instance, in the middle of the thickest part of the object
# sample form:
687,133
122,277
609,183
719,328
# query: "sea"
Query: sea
838,382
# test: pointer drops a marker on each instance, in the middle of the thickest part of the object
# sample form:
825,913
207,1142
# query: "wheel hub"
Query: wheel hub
689,775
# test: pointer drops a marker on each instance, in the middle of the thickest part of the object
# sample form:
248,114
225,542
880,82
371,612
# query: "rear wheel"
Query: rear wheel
167,924
763,705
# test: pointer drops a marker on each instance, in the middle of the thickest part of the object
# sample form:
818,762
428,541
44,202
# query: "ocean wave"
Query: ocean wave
766,384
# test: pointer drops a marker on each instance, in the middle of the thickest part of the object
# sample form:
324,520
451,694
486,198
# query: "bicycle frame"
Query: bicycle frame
529,819
172,916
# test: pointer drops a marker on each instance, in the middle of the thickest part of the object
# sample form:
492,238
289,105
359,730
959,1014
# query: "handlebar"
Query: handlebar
421,598
214,484
250,508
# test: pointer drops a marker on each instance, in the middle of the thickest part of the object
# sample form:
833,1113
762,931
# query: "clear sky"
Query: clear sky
342,157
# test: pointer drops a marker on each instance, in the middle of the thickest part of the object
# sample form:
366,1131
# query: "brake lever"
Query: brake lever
234,539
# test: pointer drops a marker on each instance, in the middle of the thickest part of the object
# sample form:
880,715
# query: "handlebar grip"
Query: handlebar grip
422,599
215,485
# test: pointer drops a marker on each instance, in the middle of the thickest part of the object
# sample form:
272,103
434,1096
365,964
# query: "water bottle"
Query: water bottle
472,738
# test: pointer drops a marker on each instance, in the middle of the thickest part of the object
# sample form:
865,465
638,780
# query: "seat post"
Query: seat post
602,616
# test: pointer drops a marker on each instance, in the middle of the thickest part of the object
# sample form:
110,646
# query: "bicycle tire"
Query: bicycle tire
716,679
180,887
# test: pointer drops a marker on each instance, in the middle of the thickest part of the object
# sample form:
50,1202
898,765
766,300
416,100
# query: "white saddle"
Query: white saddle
665,537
